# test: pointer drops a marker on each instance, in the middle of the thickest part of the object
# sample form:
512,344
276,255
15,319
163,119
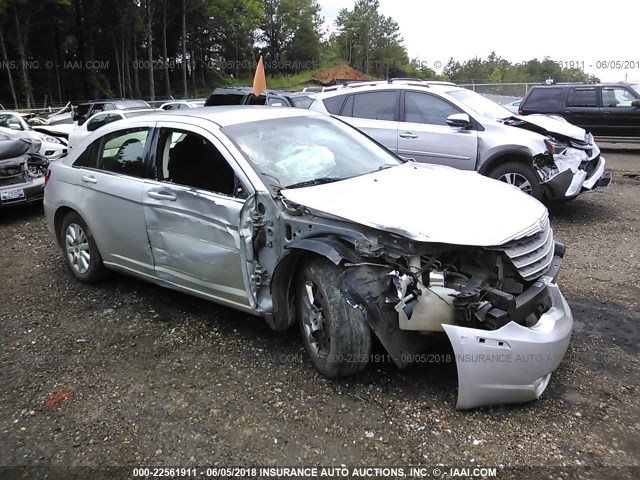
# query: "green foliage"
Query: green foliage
495,69
291,35
100,48
369,41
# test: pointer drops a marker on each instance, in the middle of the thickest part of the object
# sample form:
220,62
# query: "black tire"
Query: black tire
343,343
518,172
76,260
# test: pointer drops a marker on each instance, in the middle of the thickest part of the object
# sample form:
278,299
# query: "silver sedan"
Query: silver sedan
301,219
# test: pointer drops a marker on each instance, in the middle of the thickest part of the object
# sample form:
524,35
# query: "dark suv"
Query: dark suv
244,96
607,110
85,110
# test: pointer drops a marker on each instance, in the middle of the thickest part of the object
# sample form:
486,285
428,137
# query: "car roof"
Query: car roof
392,84
585,84
224,115
242,89
117,101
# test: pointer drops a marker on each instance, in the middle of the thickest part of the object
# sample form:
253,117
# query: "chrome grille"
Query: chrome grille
532,255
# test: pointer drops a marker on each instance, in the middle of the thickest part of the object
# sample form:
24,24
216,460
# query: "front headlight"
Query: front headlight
554,146
50,139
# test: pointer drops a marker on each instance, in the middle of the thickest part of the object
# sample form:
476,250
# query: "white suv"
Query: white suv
439,122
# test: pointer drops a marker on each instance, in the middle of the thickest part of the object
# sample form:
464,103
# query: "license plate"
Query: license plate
12,195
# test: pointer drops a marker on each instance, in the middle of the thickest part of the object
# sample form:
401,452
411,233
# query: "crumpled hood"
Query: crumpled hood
551,125
428,203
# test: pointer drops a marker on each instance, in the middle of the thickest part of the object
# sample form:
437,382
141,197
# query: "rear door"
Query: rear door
583,108
548,100
110,174
620,118
192,211
423,133
376,114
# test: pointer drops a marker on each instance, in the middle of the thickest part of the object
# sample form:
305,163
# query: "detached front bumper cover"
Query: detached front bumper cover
514,363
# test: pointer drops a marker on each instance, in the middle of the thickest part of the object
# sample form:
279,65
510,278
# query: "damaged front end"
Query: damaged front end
572,167
500,307
572,163
22,172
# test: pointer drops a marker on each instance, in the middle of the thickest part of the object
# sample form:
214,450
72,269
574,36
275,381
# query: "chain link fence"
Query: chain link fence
500,92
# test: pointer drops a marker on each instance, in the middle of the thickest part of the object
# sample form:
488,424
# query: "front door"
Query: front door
192,211
423,133
620,118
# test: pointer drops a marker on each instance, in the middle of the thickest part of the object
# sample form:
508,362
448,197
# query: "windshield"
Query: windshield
302,101
481,105
636,88
296,150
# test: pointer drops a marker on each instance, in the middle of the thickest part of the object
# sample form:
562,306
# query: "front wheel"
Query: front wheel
334,333
520,175
80,250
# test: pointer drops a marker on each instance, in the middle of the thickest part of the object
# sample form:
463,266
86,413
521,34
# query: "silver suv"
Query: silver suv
439,122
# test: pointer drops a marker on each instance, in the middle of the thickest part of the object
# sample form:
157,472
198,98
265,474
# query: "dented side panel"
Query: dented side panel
195,240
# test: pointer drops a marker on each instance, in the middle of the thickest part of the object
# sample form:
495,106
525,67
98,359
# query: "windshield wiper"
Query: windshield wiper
315,181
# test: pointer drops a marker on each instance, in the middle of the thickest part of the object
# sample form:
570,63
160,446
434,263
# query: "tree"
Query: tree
370,41
291,31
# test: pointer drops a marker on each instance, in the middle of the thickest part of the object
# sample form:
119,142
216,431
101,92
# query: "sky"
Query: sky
592,35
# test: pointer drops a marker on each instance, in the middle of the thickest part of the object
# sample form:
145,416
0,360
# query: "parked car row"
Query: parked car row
310,220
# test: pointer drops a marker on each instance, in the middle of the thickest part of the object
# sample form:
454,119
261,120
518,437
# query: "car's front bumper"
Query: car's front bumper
21,193
574,174
514,363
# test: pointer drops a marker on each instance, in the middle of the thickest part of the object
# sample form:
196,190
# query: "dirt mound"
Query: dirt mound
339,73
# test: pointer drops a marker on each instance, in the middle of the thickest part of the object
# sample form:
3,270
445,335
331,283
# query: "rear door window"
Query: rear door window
375,105
123,152
582,97
548,98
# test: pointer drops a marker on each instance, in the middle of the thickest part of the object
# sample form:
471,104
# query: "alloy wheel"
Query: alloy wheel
517,180
77,247
314,322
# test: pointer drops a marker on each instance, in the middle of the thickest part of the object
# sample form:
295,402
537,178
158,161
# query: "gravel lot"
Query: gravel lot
127,373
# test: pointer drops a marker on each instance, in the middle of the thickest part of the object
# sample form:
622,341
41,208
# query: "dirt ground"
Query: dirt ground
127,373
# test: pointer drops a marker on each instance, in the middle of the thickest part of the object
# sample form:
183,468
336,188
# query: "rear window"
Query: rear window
548,98
219,99
82,109
582,97
375,105
334,104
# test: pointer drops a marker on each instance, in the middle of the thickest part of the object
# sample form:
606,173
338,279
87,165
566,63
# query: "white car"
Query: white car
101,119
182,104
13,125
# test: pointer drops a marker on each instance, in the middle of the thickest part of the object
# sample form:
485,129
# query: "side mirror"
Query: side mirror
635,103
15,126
459,120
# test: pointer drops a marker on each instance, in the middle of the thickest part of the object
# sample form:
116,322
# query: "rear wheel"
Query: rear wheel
80,249
519,175
334,333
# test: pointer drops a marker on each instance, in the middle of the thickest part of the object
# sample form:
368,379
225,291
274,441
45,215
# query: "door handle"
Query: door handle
162,196
408,135
88,179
